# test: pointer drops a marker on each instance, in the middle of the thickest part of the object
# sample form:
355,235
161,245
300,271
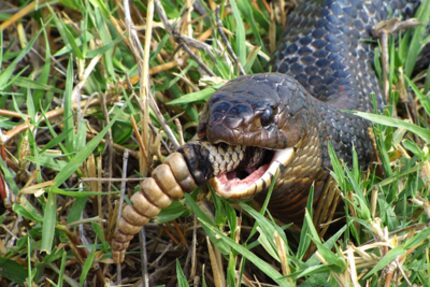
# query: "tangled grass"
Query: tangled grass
94,94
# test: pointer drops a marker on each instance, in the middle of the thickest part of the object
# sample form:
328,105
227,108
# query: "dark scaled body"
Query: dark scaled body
331,56
322,67
326,47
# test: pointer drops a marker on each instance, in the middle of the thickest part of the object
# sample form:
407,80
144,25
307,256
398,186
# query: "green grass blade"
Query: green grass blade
43,79
338,171
81,156
11,270
68,36
182,279
239,33
256,260
29,266
387,259
305,239
201,95
416,44
418,239
7,73
425,101
397,123
266,229
427,81
62,268
87,266
191,203
49,222
68,110
246,8
1,50
34,85
8,176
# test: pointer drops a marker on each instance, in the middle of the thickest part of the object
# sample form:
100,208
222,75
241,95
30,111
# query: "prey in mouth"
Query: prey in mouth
253,174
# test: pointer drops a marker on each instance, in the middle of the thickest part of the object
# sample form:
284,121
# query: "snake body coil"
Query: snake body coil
259,127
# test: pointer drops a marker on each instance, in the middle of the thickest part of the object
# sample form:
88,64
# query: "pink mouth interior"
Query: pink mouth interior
230,181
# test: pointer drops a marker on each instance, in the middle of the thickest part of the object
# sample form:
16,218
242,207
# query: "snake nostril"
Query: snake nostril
266,117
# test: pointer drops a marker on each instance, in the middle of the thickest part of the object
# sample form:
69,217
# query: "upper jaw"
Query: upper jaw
257,181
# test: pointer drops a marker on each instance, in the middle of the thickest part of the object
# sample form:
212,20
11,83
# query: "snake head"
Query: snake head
266,113
262,110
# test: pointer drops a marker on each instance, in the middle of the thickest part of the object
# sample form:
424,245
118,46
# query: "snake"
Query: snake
274,128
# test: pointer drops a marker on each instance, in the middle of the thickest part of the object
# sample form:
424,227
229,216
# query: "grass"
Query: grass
78,129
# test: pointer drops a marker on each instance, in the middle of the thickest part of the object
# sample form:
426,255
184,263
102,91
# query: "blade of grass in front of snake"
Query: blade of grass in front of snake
305,238
201,95
425,102
427,80
397,123
256,260
416,44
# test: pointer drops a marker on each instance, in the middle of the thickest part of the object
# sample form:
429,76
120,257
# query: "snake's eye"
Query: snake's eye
266,117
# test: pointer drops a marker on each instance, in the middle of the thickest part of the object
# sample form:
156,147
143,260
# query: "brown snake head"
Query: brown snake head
263,110
267,113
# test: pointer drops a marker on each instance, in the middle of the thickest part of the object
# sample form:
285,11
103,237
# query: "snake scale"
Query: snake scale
278,124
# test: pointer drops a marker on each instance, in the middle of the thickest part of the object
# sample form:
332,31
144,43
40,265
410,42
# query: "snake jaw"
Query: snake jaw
258,180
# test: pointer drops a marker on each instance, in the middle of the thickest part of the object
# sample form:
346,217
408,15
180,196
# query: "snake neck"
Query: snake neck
294,181
307,161
311,165
345,132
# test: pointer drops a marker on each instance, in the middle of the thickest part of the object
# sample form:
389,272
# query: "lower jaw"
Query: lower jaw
257,181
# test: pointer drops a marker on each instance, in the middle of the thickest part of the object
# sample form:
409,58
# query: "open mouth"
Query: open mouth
256,176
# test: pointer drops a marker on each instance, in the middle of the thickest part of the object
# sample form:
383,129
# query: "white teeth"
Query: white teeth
280,158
